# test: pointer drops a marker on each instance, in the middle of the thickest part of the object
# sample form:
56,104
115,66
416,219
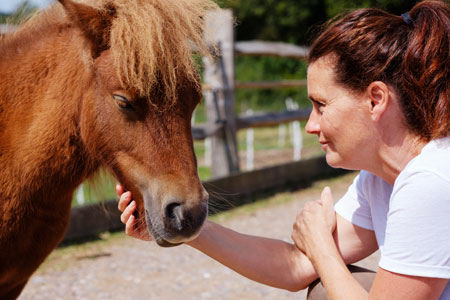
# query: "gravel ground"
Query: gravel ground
125,268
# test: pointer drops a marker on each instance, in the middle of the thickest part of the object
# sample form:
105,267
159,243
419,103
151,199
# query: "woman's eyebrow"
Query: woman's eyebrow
313,98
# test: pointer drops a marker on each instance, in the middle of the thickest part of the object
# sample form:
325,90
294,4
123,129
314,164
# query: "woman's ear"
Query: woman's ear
379,95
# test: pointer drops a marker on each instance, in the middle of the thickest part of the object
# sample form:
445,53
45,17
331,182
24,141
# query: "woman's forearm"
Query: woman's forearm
268,261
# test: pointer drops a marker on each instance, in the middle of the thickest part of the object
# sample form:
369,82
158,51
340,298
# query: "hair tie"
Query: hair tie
407,18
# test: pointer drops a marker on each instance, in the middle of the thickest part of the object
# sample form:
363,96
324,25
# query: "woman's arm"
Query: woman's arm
268,261
272,262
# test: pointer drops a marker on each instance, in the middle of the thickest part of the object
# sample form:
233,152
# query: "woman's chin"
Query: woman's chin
339,163
333,161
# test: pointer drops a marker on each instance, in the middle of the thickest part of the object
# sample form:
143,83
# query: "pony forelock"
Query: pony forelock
151,43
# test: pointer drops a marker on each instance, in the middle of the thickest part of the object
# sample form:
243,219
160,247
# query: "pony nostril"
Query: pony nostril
174,213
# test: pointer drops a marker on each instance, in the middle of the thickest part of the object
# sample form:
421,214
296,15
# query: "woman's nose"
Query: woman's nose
313,125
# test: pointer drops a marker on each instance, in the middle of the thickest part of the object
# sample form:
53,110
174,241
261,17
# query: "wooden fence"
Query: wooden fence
219,89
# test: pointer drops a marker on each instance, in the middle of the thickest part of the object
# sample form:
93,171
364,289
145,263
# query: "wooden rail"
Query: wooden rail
270,84
272,119
261,85
270,49
202,131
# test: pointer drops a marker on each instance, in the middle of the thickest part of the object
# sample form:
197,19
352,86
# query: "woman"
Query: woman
386,111
380,88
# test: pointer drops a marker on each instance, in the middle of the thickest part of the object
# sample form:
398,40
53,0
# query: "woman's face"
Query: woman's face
339,118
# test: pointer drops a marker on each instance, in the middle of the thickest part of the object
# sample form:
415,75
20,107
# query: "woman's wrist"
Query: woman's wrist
323,249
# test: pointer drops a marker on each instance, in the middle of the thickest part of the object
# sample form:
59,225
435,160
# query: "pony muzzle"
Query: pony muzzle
175,222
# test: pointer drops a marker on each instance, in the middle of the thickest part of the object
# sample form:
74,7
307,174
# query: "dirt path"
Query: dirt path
124,268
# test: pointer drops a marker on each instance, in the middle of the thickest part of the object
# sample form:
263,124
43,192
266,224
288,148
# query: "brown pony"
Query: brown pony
106,83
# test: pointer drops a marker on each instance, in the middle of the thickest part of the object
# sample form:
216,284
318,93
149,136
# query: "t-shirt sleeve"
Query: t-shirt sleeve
354,205
417,240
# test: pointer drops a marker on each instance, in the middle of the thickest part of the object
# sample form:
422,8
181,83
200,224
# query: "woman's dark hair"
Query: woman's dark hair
370,44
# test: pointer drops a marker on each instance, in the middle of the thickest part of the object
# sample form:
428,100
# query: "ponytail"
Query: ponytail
426,70
411,53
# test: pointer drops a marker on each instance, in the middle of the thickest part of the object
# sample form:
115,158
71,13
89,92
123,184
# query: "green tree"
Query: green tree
275,20
292,20
335,7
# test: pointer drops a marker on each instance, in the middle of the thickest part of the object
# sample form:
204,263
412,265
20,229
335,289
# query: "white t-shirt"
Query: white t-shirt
411,219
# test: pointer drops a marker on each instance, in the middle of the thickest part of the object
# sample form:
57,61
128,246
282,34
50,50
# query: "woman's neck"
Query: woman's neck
392,158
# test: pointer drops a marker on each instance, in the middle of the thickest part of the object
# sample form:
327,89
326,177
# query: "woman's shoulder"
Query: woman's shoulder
434,160
426,177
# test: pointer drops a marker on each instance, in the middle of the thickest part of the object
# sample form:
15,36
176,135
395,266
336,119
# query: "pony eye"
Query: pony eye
123,103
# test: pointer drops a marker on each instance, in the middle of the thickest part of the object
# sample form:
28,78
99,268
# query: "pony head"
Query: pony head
136,118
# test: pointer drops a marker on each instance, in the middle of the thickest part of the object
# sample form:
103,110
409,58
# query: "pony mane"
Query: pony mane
151,42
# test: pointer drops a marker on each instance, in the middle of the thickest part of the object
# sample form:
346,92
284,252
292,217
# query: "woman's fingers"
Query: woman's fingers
327,198
312,221
127,212
119,189
328,206
131,229
296,234
128,207
125,198
129,226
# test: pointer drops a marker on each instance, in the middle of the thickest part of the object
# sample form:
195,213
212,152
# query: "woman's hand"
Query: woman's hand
314,224
127,208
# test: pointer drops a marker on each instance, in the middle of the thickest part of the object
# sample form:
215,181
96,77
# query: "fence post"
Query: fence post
219,75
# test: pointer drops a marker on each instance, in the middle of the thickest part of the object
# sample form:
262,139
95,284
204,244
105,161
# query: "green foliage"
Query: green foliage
292,20
275,20
335,7
269,69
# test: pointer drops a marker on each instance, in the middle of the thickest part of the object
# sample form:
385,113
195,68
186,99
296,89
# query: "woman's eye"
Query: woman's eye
319,106
123,103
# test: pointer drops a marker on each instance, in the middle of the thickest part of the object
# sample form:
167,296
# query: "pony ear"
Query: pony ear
94,23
